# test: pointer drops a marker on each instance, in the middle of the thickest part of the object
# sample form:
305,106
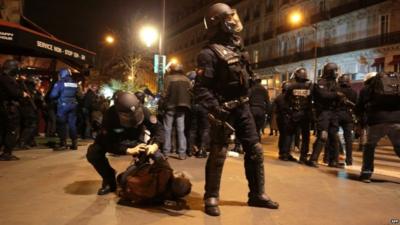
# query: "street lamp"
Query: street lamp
109,39
296,18
149,35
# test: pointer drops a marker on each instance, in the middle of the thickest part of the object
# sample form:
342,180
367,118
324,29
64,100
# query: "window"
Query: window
379,64
300,44
396,63
322,6
384,24
284,48
255,56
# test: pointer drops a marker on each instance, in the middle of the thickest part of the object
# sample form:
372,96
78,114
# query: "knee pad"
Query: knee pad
256,153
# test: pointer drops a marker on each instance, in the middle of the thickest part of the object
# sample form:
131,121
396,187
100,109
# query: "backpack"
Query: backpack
143,181
385,91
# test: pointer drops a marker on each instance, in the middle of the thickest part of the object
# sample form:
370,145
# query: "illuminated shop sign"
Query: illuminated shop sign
60,50
6,36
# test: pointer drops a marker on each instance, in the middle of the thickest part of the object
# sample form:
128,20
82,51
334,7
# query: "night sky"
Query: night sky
85,22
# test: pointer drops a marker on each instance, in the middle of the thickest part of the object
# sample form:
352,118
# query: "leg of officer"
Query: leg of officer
72,127
394,136
322,137
214,165
348,139
253,158
61,127
204,132
10,136
305,139
96,155
374,134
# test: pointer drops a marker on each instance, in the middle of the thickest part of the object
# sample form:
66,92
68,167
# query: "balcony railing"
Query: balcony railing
334,12
370,42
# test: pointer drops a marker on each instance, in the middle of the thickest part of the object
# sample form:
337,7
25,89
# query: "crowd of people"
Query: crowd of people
27,108
198,113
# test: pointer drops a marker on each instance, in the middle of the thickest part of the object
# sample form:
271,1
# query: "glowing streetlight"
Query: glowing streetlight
109,39
149,35
295,18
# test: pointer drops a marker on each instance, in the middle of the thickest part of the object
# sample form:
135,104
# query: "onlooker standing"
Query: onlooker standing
90,101
176,102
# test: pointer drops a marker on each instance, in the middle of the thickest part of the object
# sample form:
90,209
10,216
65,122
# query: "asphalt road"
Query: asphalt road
59,188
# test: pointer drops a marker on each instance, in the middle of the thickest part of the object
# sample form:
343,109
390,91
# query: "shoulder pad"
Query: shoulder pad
225,54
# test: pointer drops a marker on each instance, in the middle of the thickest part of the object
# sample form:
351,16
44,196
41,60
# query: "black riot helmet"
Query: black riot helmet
330,71
10,67
221,17
300,75
129,109
344,80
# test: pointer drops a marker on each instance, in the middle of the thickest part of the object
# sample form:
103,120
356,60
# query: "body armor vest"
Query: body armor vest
300,95
232,72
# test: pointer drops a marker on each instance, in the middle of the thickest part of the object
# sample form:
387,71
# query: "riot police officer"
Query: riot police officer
29,112
326,98
298,95
223,83
9,112
65,91
123,131
346,114
379,102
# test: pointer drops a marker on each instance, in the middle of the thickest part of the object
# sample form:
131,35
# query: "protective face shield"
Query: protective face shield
64,73
330,71
300,74
130,111
180,185
11,67
344,80
222,16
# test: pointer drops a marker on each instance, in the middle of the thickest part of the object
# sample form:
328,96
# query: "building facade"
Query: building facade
361,36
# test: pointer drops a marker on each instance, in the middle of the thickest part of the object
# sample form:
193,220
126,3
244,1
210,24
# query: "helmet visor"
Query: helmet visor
233,23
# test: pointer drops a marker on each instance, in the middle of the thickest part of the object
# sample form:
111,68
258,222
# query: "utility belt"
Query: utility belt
232,104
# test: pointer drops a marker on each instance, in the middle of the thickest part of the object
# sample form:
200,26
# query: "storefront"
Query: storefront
42,53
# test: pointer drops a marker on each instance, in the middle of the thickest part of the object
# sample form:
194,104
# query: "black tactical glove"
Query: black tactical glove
220,113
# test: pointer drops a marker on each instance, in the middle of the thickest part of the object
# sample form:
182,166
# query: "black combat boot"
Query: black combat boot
201,153
107,187
74,145
211,206
317,148
254,169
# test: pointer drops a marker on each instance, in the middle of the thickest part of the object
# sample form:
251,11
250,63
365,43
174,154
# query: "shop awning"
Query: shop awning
19,40
378,61
396,60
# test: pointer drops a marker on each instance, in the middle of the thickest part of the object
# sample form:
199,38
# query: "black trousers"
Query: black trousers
297,121
243,122
96,155
327,127
259,118
29,127
346,122
199,127
9,128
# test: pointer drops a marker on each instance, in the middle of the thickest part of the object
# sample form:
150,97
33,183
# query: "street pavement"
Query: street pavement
59,188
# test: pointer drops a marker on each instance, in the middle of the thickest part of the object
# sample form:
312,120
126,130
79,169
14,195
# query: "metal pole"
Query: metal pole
160,50
315,51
